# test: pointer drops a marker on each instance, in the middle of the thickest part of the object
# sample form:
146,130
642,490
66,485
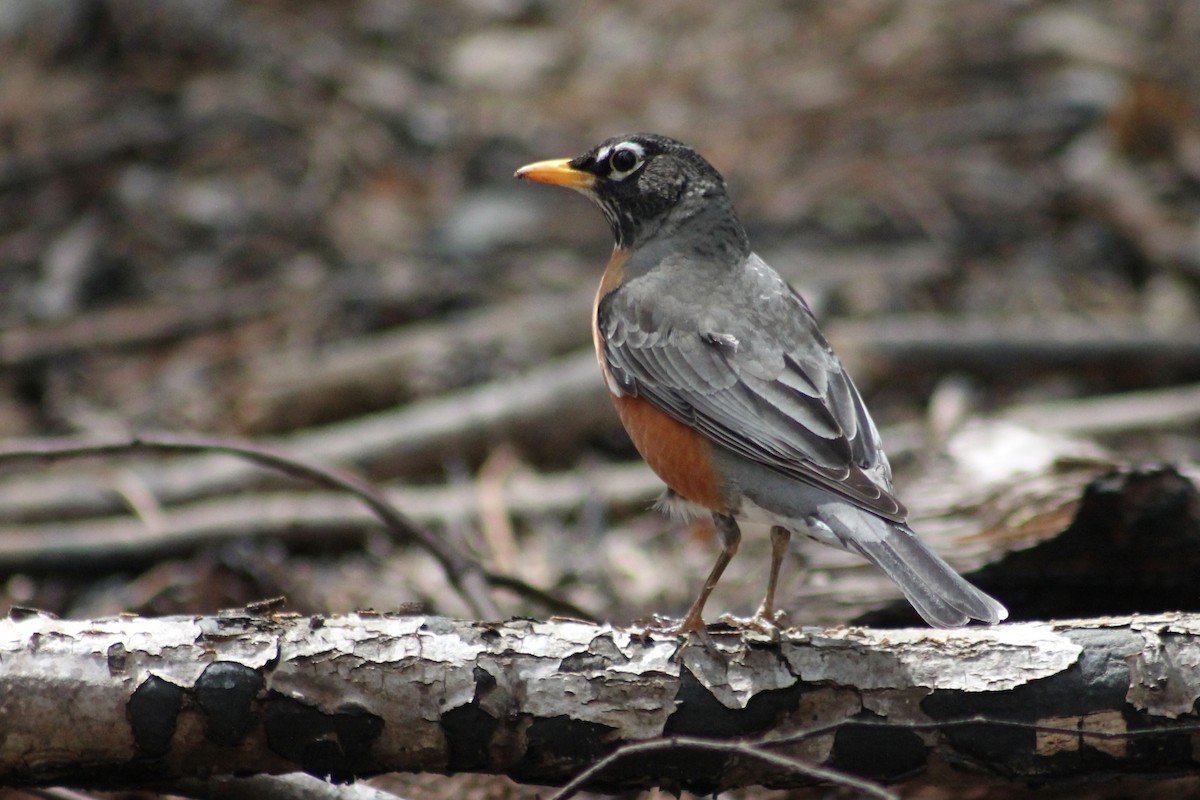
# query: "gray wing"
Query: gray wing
760,381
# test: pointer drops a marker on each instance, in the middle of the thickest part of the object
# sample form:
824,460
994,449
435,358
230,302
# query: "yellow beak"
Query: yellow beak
557,171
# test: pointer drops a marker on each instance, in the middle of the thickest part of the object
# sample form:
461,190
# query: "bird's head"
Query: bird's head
642,182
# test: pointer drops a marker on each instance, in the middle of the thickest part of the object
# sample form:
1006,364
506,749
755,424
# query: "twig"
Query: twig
751,748
746,749
885,346
465,574
412,438
298,387
294,516
495,518
125,327
979,719
1128,412
567,391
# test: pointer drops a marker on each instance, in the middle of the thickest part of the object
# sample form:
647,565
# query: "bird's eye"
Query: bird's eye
623,161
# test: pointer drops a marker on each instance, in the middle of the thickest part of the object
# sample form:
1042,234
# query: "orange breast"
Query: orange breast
677,454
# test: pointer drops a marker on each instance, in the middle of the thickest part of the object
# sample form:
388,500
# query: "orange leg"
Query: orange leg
730,536
780,537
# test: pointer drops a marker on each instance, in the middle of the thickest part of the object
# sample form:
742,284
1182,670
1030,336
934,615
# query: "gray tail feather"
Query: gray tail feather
940,595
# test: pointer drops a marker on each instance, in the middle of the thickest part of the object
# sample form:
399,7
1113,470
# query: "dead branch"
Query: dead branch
751,752
305,385
118,542
417,437
991,489
552,406
908,345
1128,412
464,573
127,326
298,387
152,701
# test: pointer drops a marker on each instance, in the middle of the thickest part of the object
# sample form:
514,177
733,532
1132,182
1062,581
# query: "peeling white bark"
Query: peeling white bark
132,701
1166,673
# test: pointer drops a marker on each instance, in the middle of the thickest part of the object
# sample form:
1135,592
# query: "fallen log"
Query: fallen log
129,702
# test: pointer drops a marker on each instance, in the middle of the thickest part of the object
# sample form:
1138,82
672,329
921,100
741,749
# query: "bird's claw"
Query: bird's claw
768,624
689,630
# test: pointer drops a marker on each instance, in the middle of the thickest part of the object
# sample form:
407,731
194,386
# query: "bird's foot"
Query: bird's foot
691,630
769,624
765,619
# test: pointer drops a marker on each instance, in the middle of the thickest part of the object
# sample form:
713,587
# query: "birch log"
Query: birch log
130,702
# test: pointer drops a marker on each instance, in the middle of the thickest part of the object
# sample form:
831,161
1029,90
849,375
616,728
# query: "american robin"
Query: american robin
726,386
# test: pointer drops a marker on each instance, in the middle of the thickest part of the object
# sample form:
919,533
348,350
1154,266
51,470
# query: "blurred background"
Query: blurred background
295,222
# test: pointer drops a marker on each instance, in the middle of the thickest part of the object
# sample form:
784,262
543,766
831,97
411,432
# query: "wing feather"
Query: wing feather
763,383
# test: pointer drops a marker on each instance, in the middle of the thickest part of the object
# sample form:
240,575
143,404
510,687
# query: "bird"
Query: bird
727,387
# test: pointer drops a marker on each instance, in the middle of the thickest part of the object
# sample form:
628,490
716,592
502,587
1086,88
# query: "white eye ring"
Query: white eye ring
619,163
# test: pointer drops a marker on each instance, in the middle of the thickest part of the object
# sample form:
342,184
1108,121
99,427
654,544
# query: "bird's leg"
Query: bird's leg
730,536
765,616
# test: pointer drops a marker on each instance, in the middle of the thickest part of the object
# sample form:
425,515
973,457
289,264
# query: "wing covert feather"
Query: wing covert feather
764,384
